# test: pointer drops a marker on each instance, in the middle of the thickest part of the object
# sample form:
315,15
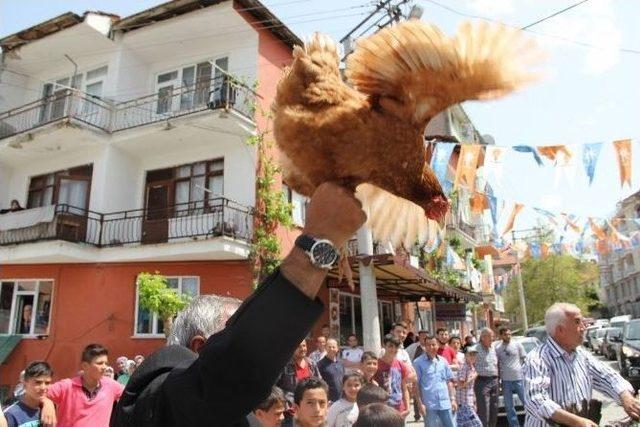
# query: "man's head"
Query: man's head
203,317
325,331
37,379
109,373
301,351
564,323
505,335
270,412
391,346
15,204
399,330
371,393
352,340
379,415
442,335
310,401
369,363
455,343
468,340
422,337
27,310
471,354
94,362
431,346
486,337
321,343
138,359
332,348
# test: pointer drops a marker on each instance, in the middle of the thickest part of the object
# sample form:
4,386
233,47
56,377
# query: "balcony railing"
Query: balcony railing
221,92
178,223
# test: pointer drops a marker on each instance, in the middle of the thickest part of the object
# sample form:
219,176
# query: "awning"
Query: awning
397,278
7,344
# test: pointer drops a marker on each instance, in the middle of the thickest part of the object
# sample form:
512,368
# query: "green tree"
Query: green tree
556,278
157,297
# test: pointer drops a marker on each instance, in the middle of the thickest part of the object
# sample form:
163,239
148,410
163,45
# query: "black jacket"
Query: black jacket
233,373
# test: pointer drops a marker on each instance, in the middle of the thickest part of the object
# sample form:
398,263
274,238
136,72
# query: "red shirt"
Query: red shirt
448,353
302,373
75,408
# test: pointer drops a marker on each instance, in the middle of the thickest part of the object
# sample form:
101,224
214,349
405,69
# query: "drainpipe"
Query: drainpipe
75,73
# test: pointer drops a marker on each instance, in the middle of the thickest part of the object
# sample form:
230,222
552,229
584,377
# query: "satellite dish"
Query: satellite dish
489,139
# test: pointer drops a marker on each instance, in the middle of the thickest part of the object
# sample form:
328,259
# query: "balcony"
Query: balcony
185,222
73,106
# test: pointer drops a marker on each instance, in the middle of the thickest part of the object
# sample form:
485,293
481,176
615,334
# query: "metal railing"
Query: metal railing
221,92
178,223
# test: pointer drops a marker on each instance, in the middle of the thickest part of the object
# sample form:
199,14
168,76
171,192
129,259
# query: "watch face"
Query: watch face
324,254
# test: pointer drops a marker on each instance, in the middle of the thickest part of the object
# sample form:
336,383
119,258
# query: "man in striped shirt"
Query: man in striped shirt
559,374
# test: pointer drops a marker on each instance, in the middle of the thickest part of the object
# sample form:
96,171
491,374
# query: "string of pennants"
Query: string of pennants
604,233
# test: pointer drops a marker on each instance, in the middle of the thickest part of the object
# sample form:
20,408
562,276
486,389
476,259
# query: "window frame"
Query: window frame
35,294
58,176
154,317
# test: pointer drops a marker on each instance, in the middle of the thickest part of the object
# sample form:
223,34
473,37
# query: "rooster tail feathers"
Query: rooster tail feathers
415,61
394,219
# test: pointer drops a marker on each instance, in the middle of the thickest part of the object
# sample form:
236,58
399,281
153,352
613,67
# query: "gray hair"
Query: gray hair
485,331
556,314
205,315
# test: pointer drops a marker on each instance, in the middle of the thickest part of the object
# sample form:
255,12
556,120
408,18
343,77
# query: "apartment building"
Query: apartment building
124,141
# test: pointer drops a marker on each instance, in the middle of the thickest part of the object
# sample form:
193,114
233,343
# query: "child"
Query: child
269,413
369,366
37,379
310,402
465,396
344,412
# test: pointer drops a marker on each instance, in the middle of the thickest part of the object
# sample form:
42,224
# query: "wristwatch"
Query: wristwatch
321,252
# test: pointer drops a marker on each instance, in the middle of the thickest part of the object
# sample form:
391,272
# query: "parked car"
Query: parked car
539,332
529,343
629,353
598,339
610,343
588,334
619,321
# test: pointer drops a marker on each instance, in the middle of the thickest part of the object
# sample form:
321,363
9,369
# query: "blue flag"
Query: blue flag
529,149
493,207
440,160
590,154
535,250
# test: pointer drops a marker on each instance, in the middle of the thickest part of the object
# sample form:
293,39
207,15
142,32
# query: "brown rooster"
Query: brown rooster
369,137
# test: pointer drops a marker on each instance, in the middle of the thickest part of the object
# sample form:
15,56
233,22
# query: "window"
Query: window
70,186
56,93
187,87
148,323
298,205
351,316
25,306
198,184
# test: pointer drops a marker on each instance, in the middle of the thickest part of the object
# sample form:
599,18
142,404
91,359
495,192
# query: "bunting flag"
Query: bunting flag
479,202
493,206
616,236
571,222
494,163
597,230
517,207
551,217
535,251
555,153
623,154
529,149
590,154
467,166
453,260
440,160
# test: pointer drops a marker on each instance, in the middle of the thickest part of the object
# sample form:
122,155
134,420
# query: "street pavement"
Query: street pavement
610,409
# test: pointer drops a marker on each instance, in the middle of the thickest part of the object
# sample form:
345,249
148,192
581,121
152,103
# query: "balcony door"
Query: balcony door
155,227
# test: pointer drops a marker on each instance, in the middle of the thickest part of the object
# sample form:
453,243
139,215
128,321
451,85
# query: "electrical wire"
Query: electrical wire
495,21
554,14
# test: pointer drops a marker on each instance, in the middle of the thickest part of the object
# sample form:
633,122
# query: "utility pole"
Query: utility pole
390,10
523,305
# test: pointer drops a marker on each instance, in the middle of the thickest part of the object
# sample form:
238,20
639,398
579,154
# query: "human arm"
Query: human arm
417,395
611,383
448,375
275,319
48,413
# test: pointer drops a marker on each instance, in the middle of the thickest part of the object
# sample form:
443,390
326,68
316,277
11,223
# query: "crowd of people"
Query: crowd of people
224,360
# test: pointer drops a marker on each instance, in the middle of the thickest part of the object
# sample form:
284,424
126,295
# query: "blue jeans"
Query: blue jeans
508,388
444,415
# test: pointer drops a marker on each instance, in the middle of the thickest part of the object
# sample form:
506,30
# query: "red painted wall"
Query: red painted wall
96,303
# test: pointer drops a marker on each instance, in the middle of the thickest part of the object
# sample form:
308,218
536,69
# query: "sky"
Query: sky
588,92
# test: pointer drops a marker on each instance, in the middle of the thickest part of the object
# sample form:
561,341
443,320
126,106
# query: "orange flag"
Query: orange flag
479,202
544,250
623,154
597,230
467,165
512,218
551,152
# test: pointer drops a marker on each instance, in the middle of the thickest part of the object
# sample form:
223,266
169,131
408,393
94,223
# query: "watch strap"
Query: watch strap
305,242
